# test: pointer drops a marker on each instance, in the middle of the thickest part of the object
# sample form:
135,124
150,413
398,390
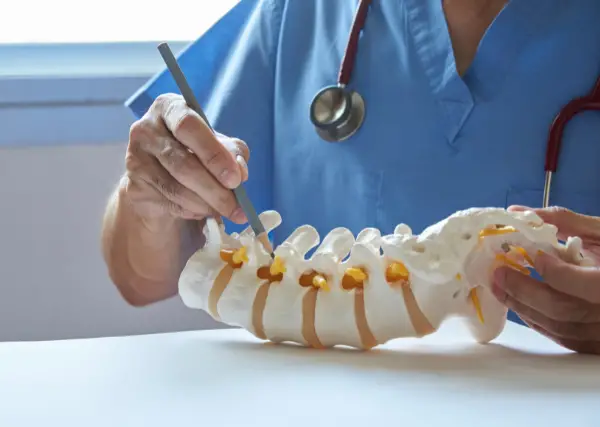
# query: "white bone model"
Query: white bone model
350,293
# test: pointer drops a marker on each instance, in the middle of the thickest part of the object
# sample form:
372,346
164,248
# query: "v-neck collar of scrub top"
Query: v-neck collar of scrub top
501,43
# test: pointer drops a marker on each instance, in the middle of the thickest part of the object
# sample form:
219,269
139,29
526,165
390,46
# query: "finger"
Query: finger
566,330
523,310
540,329
527,295
175,192
241,152
544,216
577,281
235,146
190,129
579,346
177,200
569,223
187,169
144,195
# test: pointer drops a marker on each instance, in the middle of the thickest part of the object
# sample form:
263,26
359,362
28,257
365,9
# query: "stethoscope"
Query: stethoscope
337,113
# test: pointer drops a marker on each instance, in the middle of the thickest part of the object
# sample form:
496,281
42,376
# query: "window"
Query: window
102,37
69,65
108,21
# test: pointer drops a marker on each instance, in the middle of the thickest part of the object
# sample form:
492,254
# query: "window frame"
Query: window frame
72,94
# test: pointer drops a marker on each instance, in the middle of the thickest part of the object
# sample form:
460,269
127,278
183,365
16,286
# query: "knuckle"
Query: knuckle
132,163
163,101
173,154
215,159
138,131
235,146
178,116
184,120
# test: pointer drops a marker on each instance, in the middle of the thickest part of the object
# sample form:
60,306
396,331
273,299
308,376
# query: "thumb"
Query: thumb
569,223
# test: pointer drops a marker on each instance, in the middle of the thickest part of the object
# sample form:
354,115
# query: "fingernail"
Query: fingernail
241,161
225,177
228,178
244,167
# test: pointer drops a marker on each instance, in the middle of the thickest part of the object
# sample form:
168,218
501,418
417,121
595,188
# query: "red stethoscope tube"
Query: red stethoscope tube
352,46
576,106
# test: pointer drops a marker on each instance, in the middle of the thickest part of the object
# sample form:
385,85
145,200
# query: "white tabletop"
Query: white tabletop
228,378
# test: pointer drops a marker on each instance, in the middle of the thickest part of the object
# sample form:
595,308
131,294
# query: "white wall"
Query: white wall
53,282
63,132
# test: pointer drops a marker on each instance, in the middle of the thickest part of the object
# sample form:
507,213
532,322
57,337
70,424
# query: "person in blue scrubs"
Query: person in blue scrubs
460,95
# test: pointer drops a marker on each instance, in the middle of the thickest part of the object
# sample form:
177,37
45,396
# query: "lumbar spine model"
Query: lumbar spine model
349,293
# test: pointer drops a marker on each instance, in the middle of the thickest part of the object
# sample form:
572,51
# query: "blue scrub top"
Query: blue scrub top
432,142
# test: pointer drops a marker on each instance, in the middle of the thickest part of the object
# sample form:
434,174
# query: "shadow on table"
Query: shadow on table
490,365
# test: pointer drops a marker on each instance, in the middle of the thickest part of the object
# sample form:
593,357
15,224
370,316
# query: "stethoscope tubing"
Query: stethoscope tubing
349,59
590,102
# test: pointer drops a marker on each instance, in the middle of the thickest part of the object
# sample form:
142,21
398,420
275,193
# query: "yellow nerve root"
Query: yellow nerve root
240,256
476,304
319,282
524,254
396,271
503,258
277,267
354,278
495,231
357,274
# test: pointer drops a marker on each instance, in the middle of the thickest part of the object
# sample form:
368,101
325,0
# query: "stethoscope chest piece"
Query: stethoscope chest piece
337,113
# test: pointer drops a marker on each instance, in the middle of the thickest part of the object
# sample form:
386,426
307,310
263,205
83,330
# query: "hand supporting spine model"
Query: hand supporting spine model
364,291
